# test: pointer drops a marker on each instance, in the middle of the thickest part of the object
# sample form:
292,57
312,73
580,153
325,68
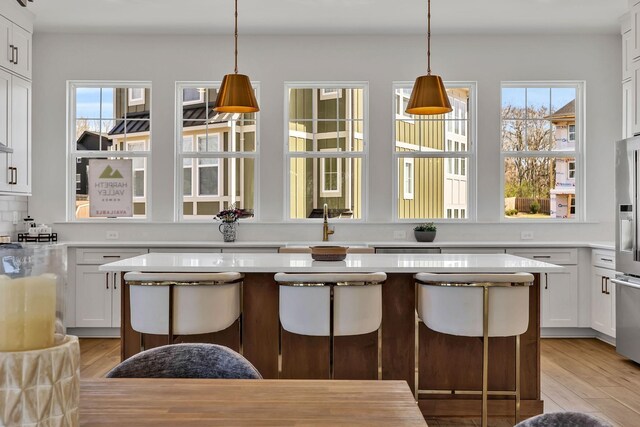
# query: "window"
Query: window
440,150
192,95
402,102
104,125
541,149
326,149
408,177
572,170
136,96
217,152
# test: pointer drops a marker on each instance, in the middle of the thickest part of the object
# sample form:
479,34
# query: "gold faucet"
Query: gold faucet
326,231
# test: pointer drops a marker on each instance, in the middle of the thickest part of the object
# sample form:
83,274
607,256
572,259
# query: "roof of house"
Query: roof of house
192,115
567,111
90,141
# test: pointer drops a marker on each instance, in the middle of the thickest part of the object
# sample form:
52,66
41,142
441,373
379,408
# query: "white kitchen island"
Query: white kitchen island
446,362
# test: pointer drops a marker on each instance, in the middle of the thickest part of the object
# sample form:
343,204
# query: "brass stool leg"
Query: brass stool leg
485,353
331,337
517,415
379,345
416,355
240,319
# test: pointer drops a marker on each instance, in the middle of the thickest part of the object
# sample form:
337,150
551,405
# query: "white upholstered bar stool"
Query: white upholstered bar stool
184,303
332,304
476,305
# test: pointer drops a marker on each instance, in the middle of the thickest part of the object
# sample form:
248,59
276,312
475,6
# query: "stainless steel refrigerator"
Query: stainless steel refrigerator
627,250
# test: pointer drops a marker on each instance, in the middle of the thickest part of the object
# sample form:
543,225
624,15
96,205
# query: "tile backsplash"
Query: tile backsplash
9,205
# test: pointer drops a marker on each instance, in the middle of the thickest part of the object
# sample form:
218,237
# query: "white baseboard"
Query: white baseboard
94,332
576,333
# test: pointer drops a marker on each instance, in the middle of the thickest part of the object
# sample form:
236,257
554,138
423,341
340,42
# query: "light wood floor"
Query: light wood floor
583,375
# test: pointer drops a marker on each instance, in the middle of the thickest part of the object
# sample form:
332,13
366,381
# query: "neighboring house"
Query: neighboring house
432,187
563,195
209,184
88,141
325,120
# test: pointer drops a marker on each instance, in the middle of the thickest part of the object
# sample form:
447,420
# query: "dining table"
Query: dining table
223,402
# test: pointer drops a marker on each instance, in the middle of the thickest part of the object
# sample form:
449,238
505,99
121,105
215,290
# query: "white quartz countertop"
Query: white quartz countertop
377,244
298,263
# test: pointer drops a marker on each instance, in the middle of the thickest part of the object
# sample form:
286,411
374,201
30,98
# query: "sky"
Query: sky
88,101
537,97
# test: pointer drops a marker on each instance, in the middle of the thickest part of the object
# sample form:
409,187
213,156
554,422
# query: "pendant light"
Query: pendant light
429,95
236,93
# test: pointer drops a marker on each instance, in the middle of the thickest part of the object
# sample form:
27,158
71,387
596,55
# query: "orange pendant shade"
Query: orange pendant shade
429,97
236,95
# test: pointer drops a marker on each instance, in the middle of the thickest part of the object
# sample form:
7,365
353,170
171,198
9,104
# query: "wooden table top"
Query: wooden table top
199,402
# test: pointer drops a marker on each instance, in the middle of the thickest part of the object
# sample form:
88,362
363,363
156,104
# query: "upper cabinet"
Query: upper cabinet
15,48
635,34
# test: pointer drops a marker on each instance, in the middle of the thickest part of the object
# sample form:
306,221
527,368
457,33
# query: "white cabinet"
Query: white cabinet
635,30
627,41
15,48
603,292
97,294
627,109
558,291
15,134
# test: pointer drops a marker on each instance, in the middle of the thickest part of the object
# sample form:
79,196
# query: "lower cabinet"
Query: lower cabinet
97,294
603,301
559,298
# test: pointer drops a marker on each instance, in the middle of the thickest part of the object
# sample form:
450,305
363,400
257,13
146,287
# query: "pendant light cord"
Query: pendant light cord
236,39
428,37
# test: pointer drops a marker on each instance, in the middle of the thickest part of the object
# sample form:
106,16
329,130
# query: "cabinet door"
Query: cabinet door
635,98
600,302
560,298
635,31
93,297
627,109
611,288
21,40
626,55
5,113
21,134
5,40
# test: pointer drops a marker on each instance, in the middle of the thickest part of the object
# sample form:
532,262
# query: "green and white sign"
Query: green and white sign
110,188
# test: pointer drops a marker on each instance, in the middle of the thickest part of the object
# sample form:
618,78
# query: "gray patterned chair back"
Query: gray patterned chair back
564,419
186,361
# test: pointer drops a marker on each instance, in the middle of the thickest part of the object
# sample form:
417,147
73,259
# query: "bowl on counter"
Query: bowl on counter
328,253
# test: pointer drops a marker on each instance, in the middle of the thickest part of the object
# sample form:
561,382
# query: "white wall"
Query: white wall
272,60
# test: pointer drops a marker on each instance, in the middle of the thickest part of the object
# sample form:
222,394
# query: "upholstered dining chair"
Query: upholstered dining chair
186,361
563,419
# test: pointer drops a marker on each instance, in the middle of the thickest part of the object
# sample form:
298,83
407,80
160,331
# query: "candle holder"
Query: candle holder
39,363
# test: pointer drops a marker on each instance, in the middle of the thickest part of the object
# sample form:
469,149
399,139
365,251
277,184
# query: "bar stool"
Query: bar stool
476,305
184,303
333,304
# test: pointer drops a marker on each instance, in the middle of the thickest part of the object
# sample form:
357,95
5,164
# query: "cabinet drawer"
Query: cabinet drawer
102,256
553,256
603,258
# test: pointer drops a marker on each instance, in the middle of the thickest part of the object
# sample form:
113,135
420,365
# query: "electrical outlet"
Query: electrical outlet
112,235
526,235
399,234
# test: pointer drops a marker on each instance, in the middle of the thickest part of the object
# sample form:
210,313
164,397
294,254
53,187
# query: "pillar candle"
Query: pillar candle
27,312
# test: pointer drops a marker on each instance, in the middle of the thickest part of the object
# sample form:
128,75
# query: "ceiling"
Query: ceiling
328,16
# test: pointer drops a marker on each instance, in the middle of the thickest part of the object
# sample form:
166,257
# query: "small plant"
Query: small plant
511,212
534,208
429,226
232,214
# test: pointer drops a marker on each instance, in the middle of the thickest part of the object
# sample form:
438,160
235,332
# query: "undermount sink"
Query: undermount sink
329,243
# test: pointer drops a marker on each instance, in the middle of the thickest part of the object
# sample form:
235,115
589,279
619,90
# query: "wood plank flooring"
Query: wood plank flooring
584,375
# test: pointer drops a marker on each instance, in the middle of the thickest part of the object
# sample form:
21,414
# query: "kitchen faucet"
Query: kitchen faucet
326,231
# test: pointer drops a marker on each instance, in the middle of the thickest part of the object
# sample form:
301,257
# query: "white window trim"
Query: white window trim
578,154
470,155
408,189
73,154
180,155
363,155
196,170
131,101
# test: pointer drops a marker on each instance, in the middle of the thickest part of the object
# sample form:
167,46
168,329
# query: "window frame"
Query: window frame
73,155
470,155
131,101
180,156
578,154
408,190
363,155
